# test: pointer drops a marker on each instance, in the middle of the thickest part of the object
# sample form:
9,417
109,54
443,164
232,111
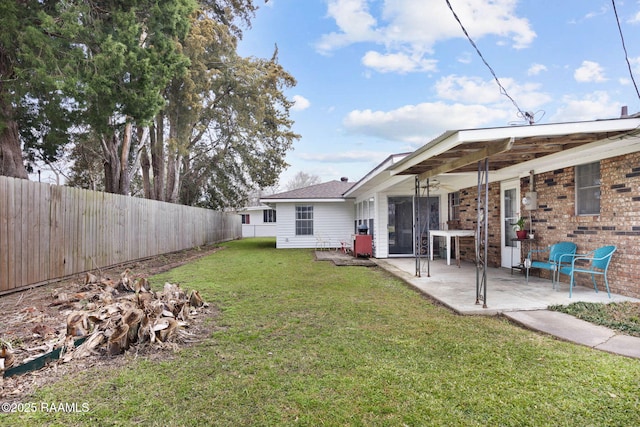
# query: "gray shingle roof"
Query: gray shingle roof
327,190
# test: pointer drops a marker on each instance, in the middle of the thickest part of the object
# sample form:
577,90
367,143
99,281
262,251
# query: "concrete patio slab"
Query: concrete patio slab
509,294
455,287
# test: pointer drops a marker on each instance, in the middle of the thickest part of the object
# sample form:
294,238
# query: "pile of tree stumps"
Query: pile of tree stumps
107,317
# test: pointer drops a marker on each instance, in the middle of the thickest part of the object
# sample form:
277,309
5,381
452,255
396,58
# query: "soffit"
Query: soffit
464,156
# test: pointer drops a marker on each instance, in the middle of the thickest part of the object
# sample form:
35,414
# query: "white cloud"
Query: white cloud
467,89
300,103
635,19
410,25
624,81
589,72
465,58
596,105
536,69
345,156
397,62
474,90
355,22
602,11
417,124
635,64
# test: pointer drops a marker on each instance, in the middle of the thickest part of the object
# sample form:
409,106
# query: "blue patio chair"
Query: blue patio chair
553,261
598,263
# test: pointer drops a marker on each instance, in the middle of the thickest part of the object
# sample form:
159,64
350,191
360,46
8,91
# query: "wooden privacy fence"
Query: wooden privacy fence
48,232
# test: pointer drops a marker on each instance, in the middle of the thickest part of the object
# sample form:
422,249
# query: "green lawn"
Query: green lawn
300,342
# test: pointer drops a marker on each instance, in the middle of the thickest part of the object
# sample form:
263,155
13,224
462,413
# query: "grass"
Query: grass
306,343
623,317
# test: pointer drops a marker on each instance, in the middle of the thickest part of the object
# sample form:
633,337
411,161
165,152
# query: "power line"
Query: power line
525,115
624,47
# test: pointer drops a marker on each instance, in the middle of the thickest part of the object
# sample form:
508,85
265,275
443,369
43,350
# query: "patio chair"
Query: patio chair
597,263
322,243
345,245
553,261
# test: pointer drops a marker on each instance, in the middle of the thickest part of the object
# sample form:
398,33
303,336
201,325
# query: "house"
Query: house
316,216
581,180
258,221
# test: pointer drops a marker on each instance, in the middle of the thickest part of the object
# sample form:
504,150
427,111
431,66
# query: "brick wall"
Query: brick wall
555,219
468,221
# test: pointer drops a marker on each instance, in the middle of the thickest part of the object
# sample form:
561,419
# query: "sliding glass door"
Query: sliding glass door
401,220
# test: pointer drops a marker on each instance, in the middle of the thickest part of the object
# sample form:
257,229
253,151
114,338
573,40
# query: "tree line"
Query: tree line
145,96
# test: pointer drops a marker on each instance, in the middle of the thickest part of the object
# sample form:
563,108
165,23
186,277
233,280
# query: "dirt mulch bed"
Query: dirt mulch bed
342,259
31,319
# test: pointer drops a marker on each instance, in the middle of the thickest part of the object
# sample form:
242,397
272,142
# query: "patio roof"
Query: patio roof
518,149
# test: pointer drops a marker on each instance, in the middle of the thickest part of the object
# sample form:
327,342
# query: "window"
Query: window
269,215
304,220
588,189
454,206
245,219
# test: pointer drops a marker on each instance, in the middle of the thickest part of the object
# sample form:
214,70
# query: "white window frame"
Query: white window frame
593,187
304,220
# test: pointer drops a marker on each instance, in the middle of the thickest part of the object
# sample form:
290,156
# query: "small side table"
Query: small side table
528,243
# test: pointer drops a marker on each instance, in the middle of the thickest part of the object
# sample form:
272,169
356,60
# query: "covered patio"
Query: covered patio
456,288
504,157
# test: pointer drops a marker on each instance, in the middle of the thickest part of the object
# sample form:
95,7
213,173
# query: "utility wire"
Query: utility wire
525,115
624,47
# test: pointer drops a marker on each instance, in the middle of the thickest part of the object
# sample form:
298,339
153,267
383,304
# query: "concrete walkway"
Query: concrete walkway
510,295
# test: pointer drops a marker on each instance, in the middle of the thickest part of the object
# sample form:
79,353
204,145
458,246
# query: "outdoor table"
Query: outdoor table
448,234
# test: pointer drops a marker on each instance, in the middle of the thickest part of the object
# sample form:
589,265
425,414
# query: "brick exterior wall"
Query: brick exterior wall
555,219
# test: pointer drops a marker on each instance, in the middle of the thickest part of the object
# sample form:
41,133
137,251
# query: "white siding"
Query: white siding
332,223
381,237
257,227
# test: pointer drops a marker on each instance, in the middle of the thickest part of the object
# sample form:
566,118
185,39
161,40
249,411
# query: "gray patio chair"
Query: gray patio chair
598,263
553,261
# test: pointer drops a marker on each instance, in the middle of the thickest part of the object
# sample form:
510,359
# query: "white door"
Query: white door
509,212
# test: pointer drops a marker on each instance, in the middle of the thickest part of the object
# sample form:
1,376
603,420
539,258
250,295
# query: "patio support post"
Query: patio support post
428,229
416,232
482,232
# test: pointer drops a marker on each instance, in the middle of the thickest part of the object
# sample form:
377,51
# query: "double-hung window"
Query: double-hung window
269,215
454,206
588,189
304,220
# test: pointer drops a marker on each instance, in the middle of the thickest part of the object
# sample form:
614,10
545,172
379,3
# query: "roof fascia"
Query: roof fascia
307,200
434,147
376,172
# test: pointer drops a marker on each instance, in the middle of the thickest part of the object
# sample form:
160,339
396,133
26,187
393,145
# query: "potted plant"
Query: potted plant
521,233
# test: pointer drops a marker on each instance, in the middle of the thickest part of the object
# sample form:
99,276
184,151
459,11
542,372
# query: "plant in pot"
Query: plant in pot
521,233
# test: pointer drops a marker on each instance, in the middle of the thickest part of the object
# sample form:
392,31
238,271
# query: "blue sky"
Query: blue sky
377,77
